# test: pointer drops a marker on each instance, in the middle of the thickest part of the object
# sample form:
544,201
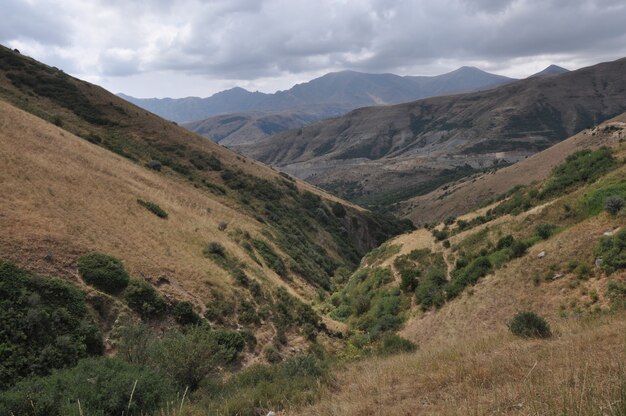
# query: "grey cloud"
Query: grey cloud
33,21
252,39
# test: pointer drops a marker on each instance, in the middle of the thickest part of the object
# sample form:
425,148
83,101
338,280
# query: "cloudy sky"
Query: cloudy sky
159,48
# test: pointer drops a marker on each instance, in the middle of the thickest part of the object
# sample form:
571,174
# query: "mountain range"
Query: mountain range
330,95
382,155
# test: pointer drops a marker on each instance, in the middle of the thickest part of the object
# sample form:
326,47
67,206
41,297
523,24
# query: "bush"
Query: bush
184,314
103,272
339,210
153,208
395,344
518,248
529,325
272,355
409,281
189,357
613,205
215,248
154,165
44,325
103,386
613,252
544,231
144,299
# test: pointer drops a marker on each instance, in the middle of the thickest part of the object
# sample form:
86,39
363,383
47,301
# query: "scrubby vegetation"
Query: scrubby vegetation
103,272
144,299
153,208
45,325
529,325
612,251
97,386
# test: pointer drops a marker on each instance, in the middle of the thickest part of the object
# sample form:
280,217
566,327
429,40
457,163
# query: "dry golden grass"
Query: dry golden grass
578,372
63,196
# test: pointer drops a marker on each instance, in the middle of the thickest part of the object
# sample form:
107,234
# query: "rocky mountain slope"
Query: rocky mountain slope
237,129
383,155
330,95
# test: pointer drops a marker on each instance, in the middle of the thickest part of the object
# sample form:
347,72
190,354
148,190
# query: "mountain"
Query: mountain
550,70
330,95
460,197
383,155
85,171
242,128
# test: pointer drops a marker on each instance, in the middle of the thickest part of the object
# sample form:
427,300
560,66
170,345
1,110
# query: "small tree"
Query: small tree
613,205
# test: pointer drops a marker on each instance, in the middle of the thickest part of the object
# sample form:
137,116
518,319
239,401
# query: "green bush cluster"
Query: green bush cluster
583,166
153,208
529,325
103,272
103,386
296,381
612,250
272,259
394,344
184,314
144,299
45,325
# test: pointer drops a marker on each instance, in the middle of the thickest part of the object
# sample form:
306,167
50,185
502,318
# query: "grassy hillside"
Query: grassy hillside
382,155
554,248
84,171
477,190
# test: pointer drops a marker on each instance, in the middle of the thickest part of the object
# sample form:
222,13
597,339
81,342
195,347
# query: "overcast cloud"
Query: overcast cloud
198,47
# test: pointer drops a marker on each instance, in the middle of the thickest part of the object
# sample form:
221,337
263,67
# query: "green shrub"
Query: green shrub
529,325
440,234
518,248
215,248
613,205
103,272
544,231
612,250
44,325
408,279
272,259
429,292
189,357
184,314
583,166
153,208
395,344
144,299
272,355
298,380
103,385
339,210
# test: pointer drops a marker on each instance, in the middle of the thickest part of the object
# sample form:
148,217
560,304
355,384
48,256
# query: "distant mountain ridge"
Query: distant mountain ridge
383,155
550,70
333,94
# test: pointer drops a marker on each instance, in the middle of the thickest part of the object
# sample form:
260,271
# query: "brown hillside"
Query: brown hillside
465,195
383,155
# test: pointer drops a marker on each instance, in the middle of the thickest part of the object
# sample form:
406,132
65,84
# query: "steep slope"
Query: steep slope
465,195
382,155
557,255
74,185
241,128
330,95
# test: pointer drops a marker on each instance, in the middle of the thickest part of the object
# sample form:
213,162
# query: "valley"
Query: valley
147,270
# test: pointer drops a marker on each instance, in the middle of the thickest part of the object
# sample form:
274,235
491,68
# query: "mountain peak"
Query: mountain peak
550,70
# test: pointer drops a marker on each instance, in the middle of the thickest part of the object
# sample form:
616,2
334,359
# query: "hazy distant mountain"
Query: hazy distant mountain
549,71
330,95
243,128
387,154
